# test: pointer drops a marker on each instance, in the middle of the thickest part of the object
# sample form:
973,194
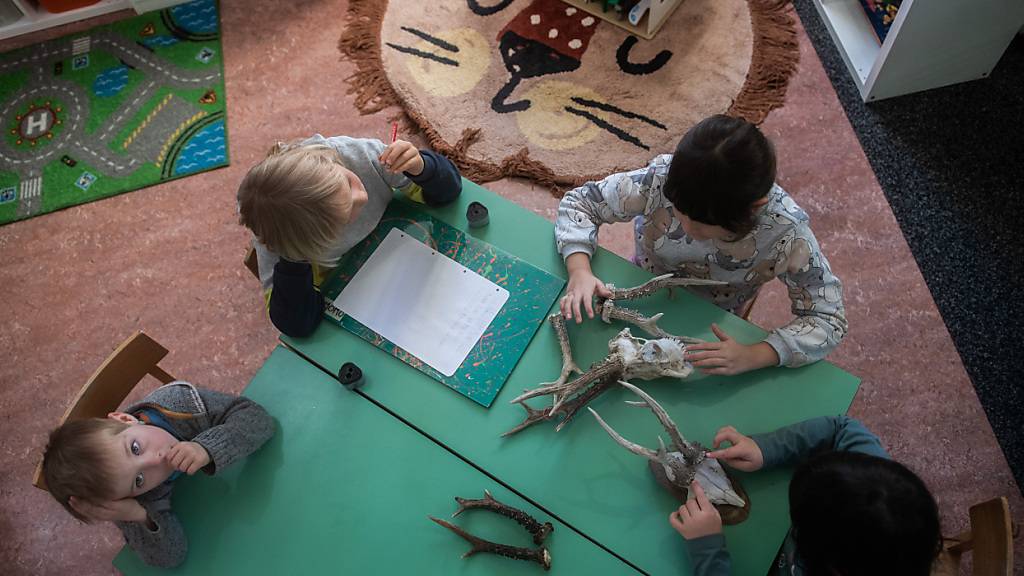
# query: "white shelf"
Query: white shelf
930,44
853,35
36,18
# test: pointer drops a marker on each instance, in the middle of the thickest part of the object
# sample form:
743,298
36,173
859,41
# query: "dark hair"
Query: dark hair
720,168
856,514
77,463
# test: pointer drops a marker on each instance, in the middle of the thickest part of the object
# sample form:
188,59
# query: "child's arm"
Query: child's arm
239,427
699,523
294,305
817,297
159,540
795,443
436,175
618,198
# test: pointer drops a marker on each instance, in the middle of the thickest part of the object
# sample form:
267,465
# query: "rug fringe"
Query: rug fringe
774,60
360,44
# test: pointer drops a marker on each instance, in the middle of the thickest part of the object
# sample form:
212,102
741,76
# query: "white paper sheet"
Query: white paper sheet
424,302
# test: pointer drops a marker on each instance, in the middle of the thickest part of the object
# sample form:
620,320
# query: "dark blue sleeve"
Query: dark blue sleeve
296,307
709,556
440,179
795,443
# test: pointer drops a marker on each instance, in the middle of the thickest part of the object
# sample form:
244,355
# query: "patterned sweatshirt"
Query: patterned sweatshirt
781,245
787,447
229,428
294,302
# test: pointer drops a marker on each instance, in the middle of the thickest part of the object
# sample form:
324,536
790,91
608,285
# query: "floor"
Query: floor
168,260
950,162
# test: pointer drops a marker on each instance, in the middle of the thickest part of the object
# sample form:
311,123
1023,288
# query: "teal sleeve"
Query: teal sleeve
795,443
709,556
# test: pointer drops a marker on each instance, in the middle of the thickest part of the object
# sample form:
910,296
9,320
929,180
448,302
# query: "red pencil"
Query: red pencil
394,132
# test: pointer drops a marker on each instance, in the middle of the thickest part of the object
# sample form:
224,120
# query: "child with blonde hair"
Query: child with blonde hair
310,202
712,210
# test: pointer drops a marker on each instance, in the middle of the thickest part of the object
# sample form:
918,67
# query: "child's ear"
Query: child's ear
123,417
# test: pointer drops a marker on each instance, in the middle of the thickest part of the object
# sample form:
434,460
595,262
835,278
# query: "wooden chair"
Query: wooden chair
113,381
251,263
990,539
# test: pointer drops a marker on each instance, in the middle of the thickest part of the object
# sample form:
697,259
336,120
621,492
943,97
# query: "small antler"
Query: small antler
488,502
538,555
657,283
568,364
609,311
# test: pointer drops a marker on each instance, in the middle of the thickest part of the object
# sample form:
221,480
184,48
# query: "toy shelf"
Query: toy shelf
931,43
657,12
34,17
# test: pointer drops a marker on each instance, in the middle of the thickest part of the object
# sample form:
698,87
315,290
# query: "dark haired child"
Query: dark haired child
122,468
712,210
854,511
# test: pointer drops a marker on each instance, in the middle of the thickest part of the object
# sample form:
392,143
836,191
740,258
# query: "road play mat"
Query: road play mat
112,109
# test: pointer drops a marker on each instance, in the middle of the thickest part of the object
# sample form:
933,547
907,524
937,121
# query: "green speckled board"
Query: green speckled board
532,291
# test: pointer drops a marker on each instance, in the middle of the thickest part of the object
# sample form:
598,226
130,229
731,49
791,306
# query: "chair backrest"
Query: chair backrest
252,263
990,539
113,381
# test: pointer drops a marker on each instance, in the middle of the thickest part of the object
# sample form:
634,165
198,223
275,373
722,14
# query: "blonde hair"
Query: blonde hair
77,462
296,201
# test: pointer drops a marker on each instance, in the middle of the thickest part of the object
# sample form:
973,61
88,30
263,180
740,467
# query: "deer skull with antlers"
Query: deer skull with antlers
685,462
628,356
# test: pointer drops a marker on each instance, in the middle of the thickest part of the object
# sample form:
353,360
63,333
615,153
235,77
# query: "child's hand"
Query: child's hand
744,454
582,286
189,457
697,517
124,510
729,357
402,156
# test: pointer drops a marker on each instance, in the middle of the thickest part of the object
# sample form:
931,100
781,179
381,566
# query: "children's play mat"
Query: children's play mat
111,109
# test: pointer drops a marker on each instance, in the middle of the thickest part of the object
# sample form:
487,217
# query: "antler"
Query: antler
657,283
609,311
691,452
488,502
568,364
564,389
538,555
567,409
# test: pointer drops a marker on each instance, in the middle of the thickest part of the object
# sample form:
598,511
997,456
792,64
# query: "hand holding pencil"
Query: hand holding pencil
401,156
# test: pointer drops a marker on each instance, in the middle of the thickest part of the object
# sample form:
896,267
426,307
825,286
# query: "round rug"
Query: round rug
542,89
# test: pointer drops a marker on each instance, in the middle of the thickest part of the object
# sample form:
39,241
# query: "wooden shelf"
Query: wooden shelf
648,25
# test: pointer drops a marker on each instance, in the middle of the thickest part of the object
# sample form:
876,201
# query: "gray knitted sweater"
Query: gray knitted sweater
229,428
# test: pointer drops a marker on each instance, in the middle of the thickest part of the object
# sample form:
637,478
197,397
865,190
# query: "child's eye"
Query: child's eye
140,480
136,449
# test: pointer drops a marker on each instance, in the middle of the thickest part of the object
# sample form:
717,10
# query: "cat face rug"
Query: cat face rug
546,90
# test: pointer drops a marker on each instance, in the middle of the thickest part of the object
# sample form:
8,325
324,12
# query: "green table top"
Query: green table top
345,488
579,474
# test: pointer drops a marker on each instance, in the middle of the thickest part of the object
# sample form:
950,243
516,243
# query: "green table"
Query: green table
345,488
580,475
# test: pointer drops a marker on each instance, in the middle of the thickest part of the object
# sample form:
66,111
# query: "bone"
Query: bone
657,283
